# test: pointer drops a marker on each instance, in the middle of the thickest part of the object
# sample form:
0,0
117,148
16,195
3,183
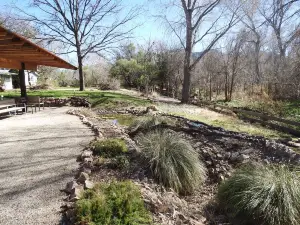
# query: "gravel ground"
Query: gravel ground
37,158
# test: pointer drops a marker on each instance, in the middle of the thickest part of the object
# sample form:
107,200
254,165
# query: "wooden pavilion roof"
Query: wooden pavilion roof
15,49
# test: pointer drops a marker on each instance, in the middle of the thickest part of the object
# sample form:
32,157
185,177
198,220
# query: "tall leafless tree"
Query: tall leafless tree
283,17
203,23
253,22
82,26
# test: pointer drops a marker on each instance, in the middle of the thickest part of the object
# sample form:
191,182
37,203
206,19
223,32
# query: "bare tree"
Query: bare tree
233,65
254,23
283,17
203,23
82,26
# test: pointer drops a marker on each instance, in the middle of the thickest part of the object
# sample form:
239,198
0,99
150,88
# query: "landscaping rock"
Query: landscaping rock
82,177
234,156
76,193
87,165
194,222
85,170
70,215
88,184
66,206
79,102
88,160
242,158
70,186
86,154
248,151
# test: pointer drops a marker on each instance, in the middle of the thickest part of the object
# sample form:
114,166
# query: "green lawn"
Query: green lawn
96,97
106,99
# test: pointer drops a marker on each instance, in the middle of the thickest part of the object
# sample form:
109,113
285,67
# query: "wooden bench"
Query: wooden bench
10,107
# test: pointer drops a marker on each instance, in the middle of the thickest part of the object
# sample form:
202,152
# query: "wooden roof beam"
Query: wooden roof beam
13,64
17,48
11,42
3,33
6,37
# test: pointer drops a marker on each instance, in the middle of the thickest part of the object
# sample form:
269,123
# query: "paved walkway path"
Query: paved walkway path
37,158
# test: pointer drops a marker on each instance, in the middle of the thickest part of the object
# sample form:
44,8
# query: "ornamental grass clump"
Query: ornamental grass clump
145,123
262,195
111,147
172,160
117,203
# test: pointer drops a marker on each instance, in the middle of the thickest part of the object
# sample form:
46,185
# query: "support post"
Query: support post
22,80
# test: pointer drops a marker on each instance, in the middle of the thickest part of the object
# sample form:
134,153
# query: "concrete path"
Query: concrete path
37,158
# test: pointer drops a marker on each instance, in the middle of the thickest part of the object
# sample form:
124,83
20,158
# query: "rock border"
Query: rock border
81,181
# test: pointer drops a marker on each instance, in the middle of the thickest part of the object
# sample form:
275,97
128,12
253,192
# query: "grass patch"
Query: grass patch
117,203
123,119
111,147
144,123
172,160
98,98
262,195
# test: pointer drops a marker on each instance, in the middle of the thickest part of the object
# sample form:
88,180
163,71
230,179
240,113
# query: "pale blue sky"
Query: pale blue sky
150,28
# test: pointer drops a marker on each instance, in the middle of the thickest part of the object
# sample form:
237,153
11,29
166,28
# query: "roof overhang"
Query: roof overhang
15,50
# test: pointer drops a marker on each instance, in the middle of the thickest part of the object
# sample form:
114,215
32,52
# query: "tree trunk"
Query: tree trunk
81,76
186,85
231,87
226,86
257,71
22,81
210,88
187,59
80,71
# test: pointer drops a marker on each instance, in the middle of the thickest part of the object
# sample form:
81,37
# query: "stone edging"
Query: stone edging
81,181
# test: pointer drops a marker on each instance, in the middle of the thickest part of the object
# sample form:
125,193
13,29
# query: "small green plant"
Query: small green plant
111,147
99,161
120,162
144,123
117,203
172,160
262,195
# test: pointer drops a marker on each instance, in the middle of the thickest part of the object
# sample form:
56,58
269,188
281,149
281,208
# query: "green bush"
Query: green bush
172,160
144,123
118,203
111,147
262,195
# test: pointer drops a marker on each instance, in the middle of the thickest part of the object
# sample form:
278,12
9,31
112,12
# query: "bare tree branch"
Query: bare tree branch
84,26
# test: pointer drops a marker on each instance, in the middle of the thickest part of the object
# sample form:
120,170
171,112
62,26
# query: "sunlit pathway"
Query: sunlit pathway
37,156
